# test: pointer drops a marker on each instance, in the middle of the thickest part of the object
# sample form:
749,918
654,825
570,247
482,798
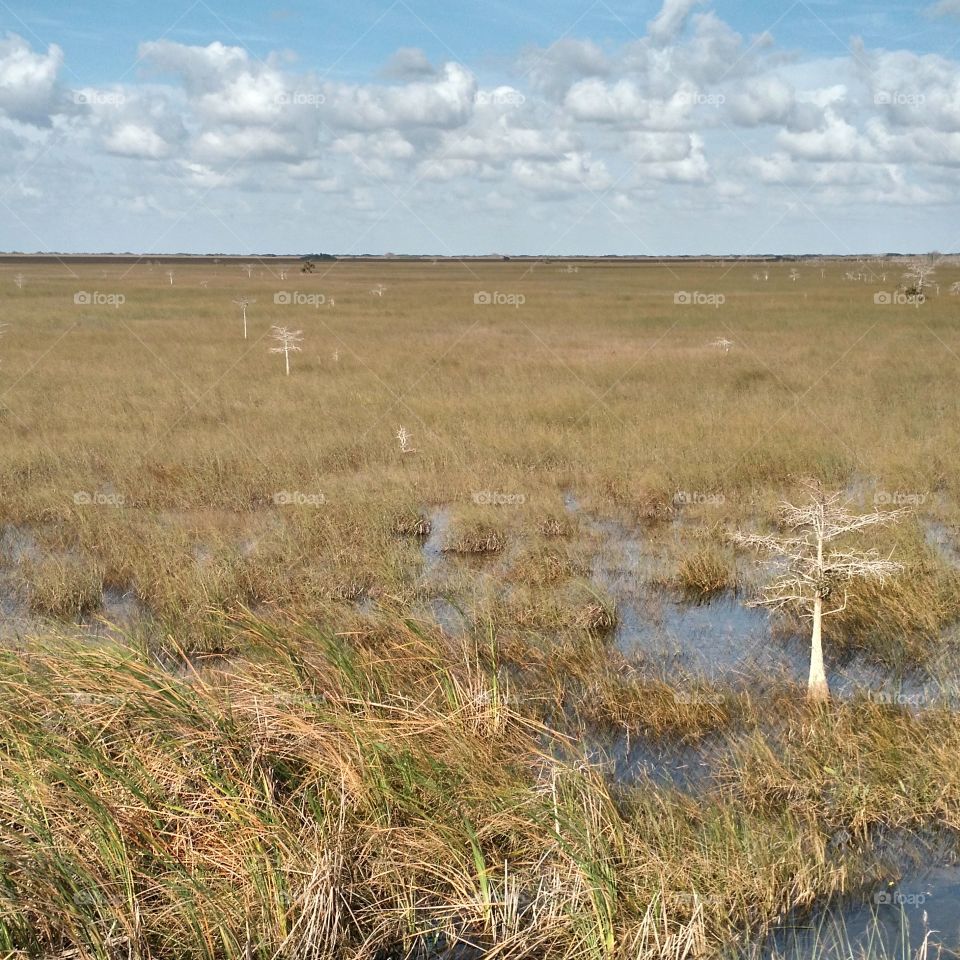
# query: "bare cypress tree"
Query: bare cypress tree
243,303
404,438
289,341
919,272
808,571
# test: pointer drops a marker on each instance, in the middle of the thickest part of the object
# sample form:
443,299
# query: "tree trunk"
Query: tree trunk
817,688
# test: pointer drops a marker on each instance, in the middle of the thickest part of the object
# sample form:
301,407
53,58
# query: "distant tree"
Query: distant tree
289,341
405,439
808,571
918,274
243,303
19,280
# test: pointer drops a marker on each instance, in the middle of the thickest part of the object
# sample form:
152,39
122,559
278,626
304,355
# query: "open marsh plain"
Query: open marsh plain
439,646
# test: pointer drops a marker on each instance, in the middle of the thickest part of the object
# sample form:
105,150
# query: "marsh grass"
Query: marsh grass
652,426
274,767
379,793
706,572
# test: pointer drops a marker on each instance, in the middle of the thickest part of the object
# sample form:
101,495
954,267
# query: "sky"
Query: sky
674,127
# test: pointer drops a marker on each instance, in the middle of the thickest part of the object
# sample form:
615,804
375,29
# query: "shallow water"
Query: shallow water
723,639
891,923
943,541
635,760
716,639
435,542
17,544
120,613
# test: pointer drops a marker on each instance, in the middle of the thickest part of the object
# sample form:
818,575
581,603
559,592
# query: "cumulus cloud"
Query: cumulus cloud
445,101
691,113
626,104
670,157
944,8
767,100
574,172
408,63
29,89
552,71
668,23
836,140
135,140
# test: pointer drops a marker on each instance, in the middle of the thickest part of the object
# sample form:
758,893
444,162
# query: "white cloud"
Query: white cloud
28,81
836,140
944,8
669,22
671,158
624,103
573,172
763,100
690,115
408,63
133,140
552,71
446,101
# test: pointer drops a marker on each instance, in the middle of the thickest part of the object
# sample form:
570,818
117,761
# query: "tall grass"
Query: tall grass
375,796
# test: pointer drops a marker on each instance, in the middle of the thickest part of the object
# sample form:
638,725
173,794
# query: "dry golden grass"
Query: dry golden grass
345,779
391,795
155,445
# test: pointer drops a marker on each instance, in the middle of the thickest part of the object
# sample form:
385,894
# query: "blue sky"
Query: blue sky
425,127
101,37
